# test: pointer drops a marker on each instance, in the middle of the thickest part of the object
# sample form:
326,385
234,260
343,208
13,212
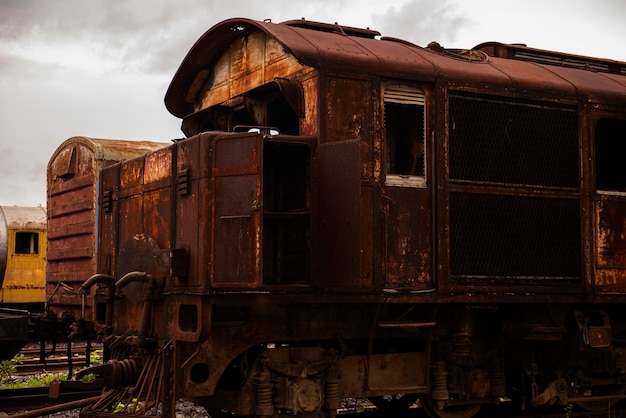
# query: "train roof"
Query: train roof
364,51
23,217
108,149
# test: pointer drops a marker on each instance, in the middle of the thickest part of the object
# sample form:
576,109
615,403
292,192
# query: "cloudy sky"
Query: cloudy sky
100,68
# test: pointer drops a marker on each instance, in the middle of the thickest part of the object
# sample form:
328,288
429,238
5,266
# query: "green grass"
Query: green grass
8,368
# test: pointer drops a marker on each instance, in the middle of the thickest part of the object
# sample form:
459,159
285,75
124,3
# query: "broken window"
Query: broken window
404,108
610,148
277,104
26,243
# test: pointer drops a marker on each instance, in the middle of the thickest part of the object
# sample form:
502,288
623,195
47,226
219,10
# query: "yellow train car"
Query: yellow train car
23,257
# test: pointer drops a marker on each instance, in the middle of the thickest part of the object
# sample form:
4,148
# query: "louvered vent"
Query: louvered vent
563,61
404,95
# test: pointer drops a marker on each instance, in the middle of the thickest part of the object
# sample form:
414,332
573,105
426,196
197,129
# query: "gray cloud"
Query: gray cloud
423,21
133,48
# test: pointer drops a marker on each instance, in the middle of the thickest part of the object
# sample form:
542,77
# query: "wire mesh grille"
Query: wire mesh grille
514,238
502,152
509,141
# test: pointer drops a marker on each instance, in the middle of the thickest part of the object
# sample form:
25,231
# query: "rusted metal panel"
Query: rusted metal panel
370,247
184,317
247,63
82,195
108,220
309,125
610,280
157,196
610,243
610,233
158,165
157,220
71,248
130,199
71,225
380,372
338,215
237,211
407,243
131,176
131,211
193,191
347,112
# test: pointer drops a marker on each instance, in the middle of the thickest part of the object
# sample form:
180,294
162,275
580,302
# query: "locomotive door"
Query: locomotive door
237,210
406,218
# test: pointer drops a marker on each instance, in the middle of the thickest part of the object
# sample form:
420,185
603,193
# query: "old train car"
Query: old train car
22,273
357,216
23,257
72,185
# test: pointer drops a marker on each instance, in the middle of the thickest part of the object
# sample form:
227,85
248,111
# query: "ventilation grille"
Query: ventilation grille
563,61
504,141
514,204
514,239
402,94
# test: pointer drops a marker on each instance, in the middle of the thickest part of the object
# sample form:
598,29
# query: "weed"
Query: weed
569,409
8,367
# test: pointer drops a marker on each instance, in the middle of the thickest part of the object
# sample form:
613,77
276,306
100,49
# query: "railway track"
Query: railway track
36,398
56,361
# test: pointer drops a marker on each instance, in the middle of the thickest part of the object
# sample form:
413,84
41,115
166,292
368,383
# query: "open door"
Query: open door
237,210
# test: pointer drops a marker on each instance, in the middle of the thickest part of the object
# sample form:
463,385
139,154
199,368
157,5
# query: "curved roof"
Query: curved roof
24,217
362,51
109,149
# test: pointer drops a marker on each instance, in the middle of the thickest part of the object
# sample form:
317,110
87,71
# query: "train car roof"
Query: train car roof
108,149
342,48
23,217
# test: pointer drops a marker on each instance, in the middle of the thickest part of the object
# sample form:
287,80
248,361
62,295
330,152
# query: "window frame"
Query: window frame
33,242
409,94
603,190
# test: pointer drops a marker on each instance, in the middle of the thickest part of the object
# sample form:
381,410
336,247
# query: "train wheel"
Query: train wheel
602,405
394,403
448,411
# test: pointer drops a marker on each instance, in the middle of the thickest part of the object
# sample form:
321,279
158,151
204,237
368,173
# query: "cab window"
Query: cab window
26,243
404,123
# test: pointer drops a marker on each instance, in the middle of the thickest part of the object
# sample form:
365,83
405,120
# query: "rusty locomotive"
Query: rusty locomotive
352,215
